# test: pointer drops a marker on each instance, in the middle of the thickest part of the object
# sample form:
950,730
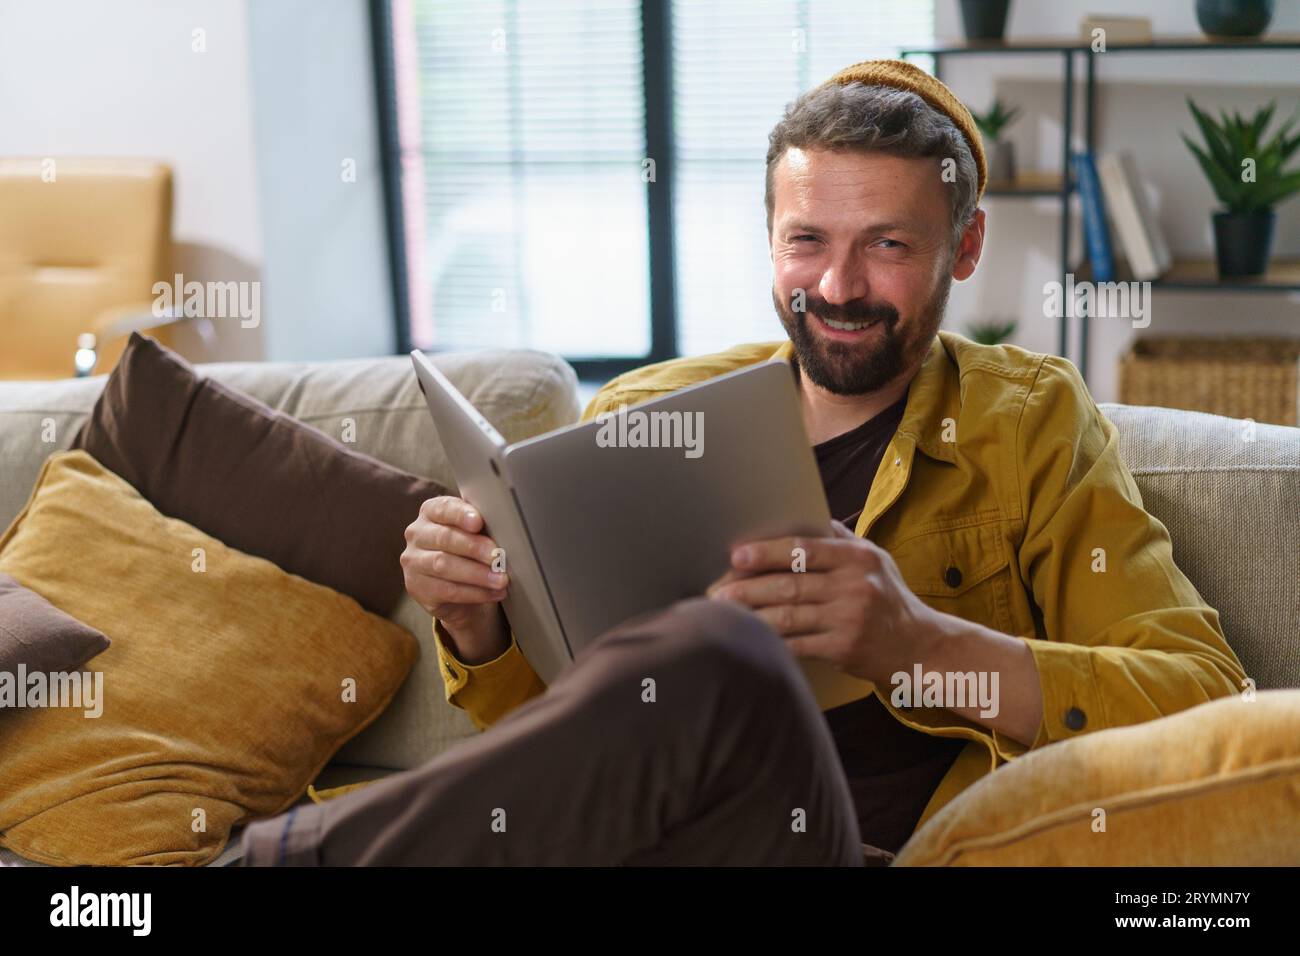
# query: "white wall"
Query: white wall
1140,107
84,77
327,291
255,128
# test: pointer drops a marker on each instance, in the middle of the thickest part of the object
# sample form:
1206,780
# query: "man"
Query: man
992,573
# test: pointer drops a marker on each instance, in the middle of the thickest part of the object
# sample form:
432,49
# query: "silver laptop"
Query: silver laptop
629,512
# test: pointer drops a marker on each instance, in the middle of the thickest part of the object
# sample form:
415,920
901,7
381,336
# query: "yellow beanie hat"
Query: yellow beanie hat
904,76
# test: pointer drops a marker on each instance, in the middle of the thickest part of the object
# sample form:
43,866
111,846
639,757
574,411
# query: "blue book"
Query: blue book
1095,232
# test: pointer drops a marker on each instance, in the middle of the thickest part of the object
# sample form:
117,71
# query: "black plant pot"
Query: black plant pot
1243,242
984,19
1234,18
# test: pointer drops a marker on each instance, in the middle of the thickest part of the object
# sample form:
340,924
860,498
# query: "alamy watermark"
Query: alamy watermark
209,300
948,689
73,689
658,429
133,911
1108,300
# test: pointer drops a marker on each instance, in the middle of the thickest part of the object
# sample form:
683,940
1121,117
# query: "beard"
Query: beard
846,368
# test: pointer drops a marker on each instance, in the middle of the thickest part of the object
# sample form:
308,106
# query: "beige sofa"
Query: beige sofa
1230,504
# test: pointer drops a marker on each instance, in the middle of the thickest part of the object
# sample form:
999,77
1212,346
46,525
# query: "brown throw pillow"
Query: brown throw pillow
256,479
40,637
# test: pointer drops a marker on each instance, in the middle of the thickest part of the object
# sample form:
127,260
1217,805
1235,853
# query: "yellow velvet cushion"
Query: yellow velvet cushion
225,690
1215,785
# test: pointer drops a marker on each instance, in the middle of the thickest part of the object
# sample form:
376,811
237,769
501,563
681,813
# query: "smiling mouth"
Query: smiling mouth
847,326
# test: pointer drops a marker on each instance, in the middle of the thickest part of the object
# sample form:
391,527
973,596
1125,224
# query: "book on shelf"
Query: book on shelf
1095,233
1116,29
1136,227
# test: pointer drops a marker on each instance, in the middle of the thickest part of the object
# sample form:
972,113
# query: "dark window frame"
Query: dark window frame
657,76
381,40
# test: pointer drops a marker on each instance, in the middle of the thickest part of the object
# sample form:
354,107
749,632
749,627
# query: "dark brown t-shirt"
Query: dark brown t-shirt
892,769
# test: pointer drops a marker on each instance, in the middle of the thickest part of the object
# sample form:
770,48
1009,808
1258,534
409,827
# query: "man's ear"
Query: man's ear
969,249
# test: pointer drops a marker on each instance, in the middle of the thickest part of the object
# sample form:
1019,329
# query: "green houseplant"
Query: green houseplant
1000,153
1248,177
992,331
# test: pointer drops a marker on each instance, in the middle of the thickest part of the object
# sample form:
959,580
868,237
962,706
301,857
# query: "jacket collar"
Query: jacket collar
934,396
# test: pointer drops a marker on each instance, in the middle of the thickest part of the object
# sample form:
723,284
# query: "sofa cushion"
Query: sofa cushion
1217,784
260,481
38,636
522,392
334,781
1227,490
228,687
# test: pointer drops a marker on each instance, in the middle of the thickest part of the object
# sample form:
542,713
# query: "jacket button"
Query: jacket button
952,577
1075,718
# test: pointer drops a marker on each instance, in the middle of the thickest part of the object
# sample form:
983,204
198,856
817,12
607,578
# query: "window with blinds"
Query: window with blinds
736,65
528,152
522,141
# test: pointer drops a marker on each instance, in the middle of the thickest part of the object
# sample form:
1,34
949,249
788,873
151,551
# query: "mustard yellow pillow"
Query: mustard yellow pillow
228,686
1215,785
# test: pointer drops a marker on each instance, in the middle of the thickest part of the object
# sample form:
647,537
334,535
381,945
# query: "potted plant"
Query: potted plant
1247,176
1234,18
984,19
991,332
1000,154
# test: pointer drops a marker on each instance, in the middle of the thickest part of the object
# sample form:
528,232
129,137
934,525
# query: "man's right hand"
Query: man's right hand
447,566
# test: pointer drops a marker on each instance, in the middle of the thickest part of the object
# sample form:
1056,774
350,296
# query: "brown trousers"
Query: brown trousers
685,736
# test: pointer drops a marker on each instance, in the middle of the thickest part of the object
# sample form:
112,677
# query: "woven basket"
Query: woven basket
1256,378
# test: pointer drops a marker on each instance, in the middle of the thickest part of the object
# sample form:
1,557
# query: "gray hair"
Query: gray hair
858,117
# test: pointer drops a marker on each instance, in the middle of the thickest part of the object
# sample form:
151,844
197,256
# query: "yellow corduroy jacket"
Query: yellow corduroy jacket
1003,467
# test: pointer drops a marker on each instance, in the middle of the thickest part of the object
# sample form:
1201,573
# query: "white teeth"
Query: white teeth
848,326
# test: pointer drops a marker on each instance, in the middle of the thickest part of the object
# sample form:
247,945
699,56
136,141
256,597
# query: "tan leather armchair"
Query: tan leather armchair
82,242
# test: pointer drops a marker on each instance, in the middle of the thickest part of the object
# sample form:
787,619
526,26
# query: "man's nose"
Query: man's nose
844,280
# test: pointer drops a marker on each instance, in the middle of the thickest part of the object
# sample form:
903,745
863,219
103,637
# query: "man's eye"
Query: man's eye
894,241
804,238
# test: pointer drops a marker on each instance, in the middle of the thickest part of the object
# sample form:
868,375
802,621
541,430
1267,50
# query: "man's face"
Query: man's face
866,239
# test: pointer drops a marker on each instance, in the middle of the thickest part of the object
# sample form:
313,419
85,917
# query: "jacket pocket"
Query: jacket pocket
964,570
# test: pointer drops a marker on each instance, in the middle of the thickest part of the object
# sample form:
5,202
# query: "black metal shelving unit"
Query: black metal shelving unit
1185,277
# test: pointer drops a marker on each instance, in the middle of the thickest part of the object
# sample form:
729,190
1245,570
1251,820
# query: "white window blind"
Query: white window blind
522,148
736,64
531,137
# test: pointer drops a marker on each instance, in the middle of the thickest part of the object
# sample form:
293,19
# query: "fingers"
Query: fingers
767,590
438,591
822,645
448,523
734,574
781,554
478,547
456,569
789,620
811,553
731,575
450,510
446,560
437,578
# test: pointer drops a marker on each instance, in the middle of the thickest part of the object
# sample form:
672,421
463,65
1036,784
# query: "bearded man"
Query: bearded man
974,488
